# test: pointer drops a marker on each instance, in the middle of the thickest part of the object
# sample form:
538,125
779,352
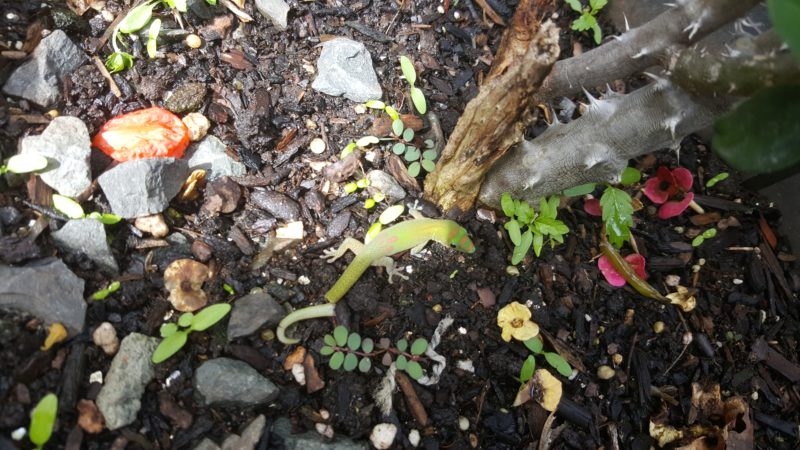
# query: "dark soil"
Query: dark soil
743,295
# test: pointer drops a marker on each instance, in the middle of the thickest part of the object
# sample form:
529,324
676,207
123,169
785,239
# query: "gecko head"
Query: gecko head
459,240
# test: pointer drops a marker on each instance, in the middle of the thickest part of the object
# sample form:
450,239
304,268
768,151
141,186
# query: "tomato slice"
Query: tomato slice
146,133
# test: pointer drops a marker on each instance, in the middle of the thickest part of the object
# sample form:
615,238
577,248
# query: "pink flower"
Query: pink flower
613,277
670,189
592,207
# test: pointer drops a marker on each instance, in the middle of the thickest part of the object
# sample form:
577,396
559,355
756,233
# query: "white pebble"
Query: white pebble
360,108
325,430
303,280
382,435
466,365
462,330
325,414
197,124
19,433
172,378
299,374
193,41
463,423
413,437
105,337
737,281
672,280
96,377
292,230
317,146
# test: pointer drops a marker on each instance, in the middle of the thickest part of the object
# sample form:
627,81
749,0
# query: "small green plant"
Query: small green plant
176,334
536,346
25,163
716,179
417,97
388,216
74,210
588,19
349,351
700,238
103,293
528,228
43,417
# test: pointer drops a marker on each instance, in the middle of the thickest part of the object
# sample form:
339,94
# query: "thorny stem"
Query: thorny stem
379,352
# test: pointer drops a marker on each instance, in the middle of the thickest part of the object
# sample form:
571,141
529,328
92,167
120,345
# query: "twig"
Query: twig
107,75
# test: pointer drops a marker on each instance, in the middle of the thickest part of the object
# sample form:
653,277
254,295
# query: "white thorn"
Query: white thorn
692,28
643,52
627,27
593,101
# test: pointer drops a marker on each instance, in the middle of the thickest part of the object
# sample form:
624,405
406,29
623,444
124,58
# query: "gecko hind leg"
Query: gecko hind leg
391,268
348,244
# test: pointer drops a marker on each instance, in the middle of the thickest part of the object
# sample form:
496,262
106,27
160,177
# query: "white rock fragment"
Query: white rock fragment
19,433
96,377
382,435
413,437
303,280
317,146
466,365
105,337
292,230
197,124
299,374
672,280
463,423
325,430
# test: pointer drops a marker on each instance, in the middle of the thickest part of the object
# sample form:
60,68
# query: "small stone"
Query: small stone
279,205
211,155
345,68
616,358
414,437
252,312
292,231
105,337
89,418
324,429
299,374
311,440
66,145
225,381
186,98
672,280
179,416
605,372
202,251
154,224
249,437
197,124
317,146
383,435
380,181
463,423
193,41
144,186
275,10
338,224
87,236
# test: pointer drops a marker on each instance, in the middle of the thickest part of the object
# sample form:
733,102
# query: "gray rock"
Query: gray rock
275,10
87,236
144,186
225,381
210,155
247,441
338,224
381,181
39,78
311,440
47,289
206,443
252,312
66,145
279,205
120,398
345,68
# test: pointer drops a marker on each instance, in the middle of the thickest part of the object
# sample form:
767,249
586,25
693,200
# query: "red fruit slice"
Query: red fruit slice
146,133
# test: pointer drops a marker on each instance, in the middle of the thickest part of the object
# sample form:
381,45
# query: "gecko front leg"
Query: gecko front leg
357,247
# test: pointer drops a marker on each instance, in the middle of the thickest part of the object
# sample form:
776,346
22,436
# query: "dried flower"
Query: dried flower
515,320
635,260
683,298
667,185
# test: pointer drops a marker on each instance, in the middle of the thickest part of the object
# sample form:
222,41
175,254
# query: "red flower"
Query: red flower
635,260
146,133
669,185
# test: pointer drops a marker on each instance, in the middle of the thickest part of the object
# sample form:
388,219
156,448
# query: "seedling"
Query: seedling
74,210
103,293
699,239
25,163
345,349
717,178
526,227
556,361
588,19
388,216
417,97
43,417
175,335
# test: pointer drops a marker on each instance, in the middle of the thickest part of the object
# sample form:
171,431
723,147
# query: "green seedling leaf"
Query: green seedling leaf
212,2
414,370
43,417
399,148
579,190
585,22
526,373
168,329
597,33
367,345
329,340
354,341
762,134
429,143
326,350
514,232
340,334
413,169
103,293
507,204
366,141
26,163
185,319
785,15
364,365
558,363
412,153
336,361
522,249
409,72
402,345
575,5
152,38
137,18
538,242
369,203
105,218
617,214
393,114
362,183
372,232
597,5
347,150
535,345
630,176
375,104
710,233
429,154
350,187
350,362
228,288
180,5
401,362
68,206
428,165
391,213
169,346
419,346
119,61
379,196
717,178
397,127
408,134
209,315
418,98
552,207
698,240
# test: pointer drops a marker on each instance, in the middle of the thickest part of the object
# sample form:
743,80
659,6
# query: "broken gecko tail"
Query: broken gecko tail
309,312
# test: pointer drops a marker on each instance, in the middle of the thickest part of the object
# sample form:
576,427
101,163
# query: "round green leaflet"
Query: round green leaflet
329,340
367,345
401,362
354,341
428,165
350,362
419,346
534,344
402,345
429,154
209,315
185,319
336,361
168,329
397,127
413,169
367,141
326,350
412,153
169,346
391,214
43,417
399,148
408,134
364,365
414,370
340,334
369,203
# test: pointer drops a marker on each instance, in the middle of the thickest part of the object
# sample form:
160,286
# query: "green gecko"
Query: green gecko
411,234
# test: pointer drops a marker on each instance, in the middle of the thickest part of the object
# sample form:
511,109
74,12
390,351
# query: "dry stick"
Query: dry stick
103,71
417,410
491,12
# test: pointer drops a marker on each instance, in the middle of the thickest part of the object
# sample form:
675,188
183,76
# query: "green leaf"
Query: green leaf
137,18
522,249
367,345
391,213
393,114
785,17
103,293
762,134
402,345
414,370
169,346
379,196
364,365
698,240
507,204
212,2
419,346
552,207
617,214
585,22
535,345
366,141
429,155
375,104
408,134
399,148
397,127
413,169
429,143
326,350
717,178
354,341
336,361
329,340
558,363
418,98
525,213
575,5
538,241
526,373
408,70
362,183
119,61
372,232
185,319
68,206
581,189
152,37
597,33
340,334
369,203
710,233
350,187
401,362
209,315
180,5
43,417
26,163
597,5
168,329
412,153
428,165
630,175
347,150
350,362
514,232
105,218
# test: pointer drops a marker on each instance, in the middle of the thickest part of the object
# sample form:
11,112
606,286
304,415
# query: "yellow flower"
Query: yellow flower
515,320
